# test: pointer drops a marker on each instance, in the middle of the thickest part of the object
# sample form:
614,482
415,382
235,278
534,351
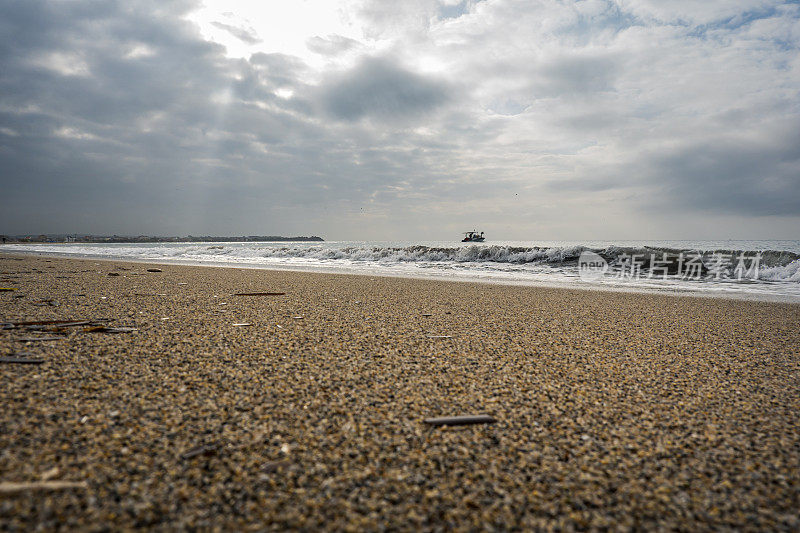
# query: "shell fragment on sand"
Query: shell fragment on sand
460,420
440,336
240,324
274,466
154,270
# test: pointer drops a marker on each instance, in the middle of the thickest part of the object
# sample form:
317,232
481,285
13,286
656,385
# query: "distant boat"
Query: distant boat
473,236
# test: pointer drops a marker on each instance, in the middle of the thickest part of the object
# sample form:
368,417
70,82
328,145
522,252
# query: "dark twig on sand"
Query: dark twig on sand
63,323
460,420
259,294
204,449
22,360
105,329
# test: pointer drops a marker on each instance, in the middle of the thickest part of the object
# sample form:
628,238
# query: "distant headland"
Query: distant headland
147,238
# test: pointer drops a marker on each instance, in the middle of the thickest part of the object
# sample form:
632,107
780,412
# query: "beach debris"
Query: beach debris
203,449
297,317
460,420
53,326
273,466
154,270
50,474
39,339
259,294
182,283
12,487
22,360
427,314
106,329
243,324
440,336
7,289
113,273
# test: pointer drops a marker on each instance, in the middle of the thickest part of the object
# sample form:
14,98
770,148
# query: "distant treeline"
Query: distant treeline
147,238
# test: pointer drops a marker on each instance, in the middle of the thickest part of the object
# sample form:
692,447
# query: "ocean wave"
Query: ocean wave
773,265
789,272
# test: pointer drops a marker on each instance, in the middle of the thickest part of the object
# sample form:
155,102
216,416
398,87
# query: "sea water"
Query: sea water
776,275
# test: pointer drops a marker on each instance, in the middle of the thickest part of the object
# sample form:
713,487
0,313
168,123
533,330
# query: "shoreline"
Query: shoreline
306,410
450,277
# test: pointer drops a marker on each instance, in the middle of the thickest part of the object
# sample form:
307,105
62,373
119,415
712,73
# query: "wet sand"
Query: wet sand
614,410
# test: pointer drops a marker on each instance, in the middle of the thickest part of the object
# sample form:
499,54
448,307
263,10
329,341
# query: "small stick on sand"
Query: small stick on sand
104,329
59,322
460,420
22,360
205,449
259,294
11,487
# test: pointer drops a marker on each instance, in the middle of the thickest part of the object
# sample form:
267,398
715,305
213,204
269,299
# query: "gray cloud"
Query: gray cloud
379,88
242,34
574,74
734,175
332,45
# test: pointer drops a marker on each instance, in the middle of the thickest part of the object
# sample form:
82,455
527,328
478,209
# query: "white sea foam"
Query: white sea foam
790,272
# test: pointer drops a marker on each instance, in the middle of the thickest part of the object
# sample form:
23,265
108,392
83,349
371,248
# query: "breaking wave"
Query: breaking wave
773,265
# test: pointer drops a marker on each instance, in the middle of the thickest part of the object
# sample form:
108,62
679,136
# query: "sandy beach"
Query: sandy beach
305,410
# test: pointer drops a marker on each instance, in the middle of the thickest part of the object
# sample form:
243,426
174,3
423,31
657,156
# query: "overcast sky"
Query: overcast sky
365,119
